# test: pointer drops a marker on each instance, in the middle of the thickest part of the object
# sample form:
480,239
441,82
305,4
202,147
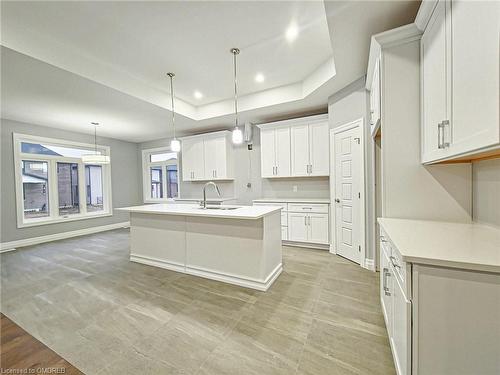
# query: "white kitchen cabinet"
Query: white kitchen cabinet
297,226
295,148
318,228
375,97
385,286
207,157
303,221
275,152
460,80
193,168
310,149
308,227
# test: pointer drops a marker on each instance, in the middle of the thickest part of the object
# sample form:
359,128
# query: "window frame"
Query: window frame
52,184
146,175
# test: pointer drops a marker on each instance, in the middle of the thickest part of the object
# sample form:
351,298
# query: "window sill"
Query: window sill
38,222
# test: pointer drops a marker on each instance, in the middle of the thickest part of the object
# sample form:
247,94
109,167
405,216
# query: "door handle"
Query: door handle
337,200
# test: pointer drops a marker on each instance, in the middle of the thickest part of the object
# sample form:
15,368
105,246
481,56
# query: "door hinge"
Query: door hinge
359,195
359,248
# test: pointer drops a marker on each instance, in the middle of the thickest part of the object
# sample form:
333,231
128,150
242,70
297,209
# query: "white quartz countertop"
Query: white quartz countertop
292,200
241,212
468,246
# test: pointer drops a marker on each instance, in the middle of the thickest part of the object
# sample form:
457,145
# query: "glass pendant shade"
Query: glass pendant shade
175,145
237,136
95,159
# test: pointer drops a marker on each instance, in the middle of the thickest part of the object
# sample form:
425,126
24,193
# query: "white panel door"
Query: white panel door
282,147
268,152
475,63
297,227
319,149
318,228
300,150
347,193
435,82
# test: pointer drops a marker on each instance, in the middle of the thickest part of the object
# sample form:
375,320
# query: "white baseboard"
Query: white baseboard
308,245
246,282
370,264
12,245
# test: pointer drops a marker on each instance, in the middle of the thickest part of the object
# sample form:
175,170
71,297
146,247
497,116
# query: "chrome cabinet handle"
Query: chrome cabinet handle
440,135
393,261
305,220
384,281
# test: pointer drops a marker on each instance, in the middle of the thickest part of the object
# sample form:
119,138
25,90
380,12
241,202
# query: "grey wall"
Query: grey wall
350,104
247,170
486,191
125,176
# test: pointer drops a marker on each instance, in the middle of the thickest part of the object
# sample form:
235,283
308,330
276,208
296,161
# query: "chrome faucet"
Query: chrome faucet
203,203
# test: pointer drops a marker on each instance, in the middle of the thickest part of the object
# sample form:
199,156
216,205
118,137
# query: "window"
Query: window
53,185
160,175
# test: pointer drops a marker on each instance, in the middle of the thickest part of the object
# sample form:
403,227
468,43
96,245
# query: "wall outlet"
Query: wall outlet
295,188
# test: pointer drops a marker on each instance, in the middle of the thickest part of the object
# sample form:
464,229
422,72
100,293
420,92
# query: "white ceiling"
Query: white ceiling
78,62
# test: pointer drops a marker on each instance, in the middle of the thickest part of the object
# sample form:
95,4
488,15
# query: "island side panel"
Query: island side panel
158,240
229,250
272,265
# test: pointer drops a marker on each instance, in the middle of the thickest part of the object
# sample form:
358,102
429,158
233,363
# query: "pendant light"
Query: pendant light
175,144
237,133
96,157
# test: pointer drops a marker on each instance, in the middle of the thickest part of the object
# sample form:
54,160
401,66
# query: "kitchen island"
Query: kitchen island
239,245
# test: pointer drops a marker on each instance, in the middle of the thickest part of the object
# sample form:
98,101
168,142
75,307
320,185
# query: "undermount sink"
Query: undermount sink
224,208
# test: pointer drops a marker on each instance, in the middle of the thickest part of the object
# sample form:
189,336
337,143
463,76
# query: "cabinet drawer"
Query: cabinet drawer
273,204
316,208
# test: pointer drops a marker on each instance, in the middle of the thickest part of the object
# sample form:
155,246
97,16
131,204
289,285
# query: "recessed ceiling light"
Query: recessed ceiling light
259,77
292,32
198,95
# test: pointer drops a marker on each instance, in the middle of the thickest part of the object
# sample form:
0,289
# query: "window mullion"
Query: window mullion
82,189
164,181
53,194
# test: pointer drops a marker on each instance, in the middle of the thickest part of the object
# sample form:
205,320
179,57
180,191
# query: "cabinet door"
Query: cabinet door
318,228
282,147
475,63
297,227
319,149
215,158
300,150
385,289
435,81
284,233
197,163
401,325
210,157
188,153
268,152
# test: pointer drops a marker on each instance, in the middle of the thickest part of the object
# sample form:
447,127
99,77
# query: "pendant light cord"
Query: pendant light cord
235,51
171,75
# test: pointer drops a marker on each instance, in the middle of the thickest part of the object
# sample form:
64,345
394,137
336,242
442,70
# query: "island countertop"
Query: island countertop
459,245
241,212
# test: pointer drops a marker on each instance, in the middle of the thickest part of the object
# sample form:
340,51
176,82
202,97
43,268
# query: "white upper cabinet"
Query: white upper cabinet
435,82
460,80
275,152
300,150
192,154
295,148
319,149
207,157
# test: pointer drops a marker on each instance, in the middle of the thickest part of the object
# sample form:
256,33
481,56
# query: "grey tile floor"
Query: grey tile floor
84,299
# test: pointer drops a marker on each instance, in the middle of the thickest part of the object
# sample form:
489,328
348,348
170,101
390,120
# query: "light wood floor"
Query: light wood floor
86,301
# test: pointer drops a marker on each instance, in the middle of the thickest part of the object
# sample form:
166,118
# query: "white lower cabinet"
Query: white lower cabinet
439,320
306,223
